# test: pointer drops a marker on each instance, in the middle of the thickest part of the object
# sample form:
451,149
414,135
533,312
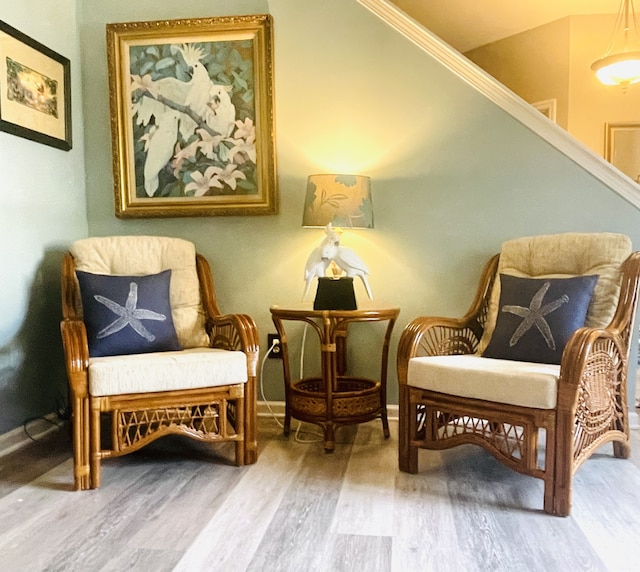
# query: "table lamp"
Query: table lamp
336,202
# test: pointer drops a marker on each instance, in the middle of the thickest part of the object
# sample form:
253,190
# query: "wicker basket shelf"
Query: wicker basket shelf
353,398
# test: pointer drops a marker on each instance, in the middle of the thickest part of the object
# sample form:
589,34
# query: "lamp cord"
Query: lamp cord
299,431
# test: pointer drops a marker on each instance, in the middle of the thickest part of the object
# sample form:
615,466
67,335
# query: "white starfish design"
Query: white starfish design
129,315
534,315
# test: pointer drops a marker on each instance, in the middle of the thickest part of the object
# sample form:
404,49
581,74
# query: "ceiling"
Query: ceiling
467,24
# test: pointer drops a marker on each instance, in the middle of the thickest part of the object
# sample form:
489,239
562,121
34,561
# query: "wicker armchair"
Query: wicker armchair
450,394
204,389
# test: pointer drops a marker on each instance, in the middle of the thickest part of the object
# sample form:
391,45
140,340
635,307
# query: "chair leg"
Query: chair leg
558,487
250,430
407,454
81,454
621,450
95,444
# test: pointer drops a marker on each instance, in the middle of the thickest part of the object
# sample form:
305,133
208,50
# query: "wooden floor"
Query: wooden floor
178,506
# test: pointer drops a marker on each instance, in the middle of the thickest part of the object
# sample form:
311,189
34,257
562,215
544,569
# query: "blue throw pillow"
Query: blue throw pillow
537,316
127,314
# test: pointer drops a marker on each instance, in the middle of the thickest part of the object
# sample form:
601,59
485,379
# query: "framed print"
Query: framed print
622,148
192,117
35,90
547,108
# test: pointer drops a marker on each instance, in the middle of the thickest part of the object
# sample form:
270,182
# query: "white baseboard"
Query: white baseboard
38,428
634,419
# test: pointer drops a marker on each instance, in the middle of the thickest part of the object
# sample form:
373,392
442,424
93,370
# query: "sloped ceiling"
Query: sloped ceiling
467,24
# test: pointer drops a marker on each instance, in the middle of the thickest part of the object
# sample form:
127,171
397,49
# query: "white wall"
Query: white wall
43,208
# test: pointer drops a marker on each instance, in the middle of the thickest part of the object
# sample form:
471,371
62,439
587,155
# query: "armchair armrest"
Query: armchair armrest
592,393
594,367
76,350
432,336
235,332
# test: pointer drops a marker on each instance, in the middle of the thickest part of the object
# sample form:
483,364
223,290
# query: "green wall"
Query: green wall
43,209
453,175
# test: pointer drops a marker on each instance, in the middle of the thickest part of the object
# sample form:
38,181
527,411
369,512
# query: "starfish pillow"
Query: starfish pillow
127,314
537,316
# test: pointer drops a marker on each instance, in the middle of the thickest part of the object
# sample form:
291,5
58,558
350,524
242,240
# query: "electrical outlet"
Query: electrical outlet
274,340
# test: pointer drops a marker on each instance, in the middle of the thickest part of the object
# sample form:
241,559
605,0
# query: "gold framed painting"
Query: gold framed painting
192,117
35,90
622,148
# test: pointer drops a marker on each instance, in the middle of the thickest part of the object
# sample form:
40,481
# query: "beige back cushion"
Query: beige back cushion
564,255
142,255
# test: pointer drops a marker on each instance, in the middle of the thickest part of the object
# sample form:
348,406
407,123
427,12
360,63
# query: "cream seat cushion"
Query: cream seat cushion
166,371
504,381
561,256
143,255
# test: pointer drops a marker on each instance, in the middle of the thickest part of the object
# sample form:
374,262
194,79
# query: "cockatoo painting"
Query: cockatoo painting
345,258
182,102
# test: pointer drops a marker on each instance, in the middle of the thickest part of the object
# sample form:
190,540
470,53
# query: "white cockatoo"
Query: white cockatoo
316,267
318,263
353,266
222,113
345,258
160,150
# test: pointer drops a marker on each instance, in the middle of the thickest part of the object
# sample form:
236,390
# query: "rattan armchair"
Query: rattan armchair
205,389
450,394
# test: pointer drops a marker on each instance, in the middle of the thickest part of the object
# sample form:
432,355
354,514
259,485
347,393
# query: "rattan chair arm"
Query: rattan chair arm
235,332
432,336
592,354
76,350
589,354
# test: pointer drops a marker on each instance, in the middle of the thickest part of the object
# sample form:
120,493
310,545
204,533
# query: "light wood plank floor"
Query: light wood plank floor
176,505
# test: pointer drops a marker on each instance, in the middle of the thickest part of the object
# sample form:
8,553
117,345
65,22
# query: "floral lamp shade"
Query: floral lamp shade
342,200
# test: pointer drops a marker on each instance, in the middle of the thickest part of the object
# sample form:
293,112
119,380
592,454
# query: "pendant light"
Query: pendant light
620,64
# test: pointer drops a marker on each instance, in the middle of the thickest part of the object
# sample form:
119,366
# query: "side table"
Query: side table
335,398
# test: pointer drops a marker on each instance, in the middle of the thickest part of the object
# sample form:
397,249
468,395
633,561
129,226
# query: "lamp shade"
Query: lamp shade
618,69
620,64
342,200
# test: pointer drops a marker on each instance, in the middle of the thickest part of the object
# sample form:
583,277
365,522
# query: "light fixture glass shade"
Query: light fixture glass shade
342,200
619,69
620,64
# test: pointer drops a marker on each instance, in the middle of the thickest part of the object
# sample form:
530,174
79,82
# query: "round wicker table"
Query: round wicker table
334,398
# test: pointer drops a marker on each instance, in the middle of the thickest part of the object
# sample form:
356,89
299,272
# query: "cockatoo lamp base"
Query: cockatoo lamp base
334,292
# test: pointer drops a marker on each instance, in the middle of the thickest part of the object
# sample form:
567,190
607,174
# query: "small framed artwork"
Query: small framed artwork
622,148
192,118
35,90
547,108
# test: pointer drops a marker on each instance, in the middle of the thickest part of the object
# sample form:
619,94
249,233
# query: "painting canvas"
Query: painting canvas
192,117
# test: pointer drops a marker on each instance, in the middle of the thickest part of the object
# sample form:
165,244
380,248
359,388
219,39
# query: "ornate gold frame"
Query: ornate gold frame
186,142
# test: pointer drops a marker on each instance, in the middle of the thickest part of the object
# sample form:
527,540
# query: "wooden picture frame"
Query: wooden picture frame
35,90
192,118
622,148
